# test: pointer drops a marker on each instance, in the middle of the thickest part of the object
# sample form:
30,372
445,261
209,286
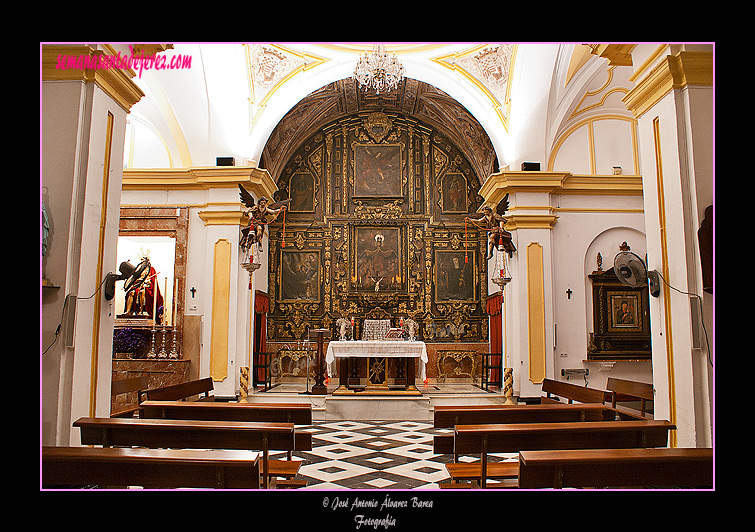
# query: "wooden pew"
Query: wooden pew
189,434
183,391
136,384
296,413
639,391
450,416
619,468
516,437
572,392
64,467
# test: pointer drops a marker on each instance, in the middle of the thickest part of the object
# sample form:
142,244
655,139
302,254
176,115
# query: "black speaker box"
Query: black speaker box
531,167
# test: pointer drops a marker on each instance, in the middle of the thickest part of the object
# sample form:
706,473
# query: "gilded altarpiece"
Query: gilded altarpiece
375,228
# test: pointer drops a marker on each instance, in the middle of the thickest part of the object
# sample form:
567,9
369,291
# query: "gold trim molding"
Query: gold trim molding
559,183
256,180
673,72
115,82
223,218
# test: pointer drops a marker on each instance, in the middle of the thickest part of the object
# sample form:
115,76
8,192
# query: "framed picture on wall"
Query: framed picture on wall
379,262
621,319
455,278
378,170
299,275
301,190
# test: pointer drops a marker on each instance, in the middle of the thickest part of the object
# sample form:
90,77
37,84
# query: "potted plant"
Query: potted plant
126,342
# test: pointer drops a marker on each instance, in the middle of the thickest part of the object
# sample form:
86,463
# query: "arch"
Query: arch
290,94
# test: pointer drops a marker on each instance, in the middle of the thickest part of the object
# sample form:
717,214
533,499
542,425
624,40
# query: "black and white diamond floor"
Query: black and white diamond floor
380,455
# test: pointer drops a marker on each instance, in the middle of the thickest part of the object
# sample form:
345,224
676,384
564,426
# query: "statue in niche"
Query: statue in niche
141,290
498,237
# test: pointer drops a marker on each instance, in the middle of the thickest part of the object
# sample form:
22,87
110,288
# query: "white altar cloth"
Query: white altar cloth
377,349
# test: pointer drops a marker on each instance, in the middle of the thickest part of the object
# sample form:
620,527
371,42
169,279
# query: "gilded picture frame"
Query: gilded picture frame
378,258
454,199
301,190
455,278
300,275
378,170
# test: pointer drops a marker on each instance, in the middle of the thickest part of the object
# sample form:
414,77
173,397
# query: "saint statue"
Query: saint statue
494,223
259,216
141,289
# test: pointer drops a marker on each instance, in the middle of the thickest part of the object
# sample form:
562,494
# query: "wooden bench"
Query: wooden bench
67,467
516,437
624,390
620,468
136,384
296,413
189,434
572,392
450,416
183,391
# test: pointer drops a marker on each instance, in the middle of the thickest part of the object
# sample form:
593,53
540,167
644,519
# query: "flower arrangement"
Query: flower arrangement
127,340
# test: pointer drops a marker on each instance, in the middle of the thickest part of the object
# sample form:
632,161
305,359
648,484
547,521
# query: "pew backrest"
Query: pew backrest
296,413
149,468
635,390
572,392
620,468
121,386
516,437
189,434
182,391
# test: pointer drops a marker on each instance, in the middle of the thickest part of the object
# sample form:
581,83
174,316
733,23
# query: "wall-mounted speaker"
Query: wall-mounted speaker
225,161
531,167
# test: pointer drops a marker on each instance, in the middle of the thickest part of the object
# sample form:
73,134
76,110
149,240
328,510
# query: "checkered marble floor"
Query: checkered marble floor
374,455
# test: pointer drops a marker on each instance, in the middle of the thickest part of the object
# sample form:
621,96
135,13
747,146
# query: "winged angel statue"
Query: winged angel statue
259,216
498,237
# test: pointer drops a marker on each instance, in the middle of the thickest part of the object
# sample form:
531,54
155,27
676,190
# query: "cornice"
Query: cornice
255,180
677,71
223,218
558,183
115,82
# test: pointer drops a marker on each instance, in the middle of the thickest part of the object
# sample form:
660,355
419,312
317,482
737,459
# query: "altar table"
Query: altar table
377,349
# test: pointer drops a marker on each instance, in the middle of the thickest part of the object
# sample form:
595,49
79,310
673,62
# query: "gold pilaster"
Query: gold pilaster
221,292
536,312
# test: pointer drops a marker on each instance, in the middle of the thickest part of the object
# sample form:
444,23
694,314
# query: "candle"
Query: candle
165,314
175,303
154,299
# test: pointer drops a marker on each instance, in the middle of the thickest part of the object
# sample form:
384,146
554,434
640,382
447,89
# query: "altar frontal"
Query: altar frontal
378,346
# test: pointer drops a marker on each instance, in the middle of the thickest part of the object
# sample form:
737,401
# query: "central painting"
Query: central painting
377,169
378,258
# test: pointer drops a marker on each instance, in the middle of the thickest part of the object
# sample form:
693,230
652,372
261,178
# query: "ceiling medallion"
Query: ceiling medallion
378,71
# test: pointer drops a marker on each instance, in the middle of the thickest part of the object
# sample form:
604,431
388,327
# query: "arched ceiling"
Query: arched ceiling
413,98
257,102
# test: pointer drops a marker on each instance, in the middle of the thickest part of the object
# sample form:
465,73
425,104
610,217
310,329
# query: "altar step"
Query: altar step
379,407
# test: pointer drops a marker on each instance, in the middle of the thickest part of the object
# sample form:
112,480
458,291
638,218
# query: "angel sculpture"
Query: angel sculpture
498,236
259,216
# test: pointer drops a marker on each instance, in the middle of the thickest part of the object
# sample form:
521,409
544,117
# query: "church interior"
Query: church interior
387,262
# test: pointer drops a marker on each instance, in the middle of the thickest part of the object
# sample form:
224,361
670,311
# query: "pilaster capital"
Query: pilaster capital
75,63
687,68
